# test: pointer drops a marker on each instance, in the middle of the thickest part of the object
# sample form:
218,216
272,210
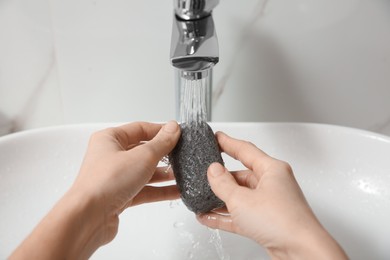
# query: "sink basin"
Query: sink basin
344,172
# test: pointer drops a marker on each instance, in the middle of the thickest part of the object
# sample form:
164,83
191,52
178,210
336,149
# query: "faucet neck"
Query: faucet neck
194,9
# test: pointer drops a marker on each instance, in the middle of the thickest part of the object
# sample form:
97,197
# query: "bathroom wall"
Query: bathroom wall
80,61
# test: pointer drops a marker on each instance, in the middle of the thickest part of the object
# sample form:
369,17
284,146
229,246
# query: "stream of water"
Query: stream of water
194,95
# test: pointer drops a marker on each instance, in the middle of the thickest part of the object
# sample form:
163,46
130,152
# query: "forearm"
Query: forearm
73,229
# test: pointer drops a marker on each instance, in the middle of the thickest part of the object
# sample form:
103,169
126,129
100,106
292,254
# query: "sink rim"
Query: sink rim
100,126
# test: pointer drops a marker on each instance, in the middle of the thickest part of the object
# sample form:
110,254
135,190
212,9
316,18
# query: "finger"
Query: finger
140,131
222,182
162,174
221,211
252,157
154,194
161,144
131,146
144,158
132,134
217,221
246,178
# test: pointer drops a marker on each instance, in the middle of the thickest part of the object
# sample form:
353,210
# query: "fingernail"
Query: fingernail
171,127
216,169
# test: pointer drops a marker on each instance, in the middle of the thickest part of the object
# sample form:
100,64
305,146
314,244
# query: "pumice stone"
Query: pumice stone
195,151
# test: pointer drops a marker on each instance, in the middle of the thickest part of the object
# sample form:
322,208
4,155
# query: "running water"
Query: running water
197,247
194,95
195,244
216,240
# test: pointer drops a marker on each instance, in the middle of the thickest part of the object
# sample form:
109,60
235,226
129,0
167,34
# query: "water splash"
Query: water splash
216,240
202,245
174,204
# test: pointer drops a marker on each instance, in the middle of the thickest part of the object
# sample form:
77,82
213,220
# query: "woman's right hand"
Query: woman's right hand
265,203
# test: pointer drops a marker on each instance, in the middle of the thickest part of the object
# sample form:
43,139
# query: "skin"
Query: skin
264,202
114,175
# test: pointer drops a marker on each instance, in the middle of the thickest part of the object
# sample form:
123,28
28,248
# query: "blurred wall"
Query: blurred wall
78,61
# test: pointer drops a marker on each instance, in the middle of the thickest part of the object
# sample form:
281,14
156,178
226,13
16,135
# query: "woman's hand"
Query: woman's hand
120,161
117,167
266,204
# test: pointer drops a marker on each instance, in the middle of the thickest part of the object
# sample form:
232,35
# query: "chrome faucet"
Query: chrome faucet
194,46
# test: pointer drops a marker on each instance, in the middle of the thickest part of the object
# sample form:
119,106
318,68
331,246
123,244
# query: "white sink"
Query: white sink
345,174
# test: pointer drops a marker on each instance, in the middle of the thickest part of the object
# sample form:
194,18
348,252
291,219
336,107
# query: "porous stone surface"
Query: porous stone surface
196,149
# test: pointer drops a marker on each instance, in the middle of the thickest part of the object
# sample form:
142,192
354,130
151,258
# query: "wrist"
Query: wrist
73,229
312,242
79,225
86,222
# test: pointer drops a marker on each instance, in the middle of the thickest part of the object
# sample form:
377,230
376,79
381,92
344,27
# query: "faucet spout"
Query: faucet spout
194,46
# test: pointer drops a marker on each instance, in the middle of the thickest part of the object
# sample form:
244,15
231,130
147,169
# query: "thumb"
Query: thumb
222,182
163,142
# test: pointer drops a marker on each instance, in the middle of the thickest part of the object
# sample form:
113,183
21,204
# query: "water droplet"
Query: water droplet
165,160
178,224
195,245
187,236
174,204
190,255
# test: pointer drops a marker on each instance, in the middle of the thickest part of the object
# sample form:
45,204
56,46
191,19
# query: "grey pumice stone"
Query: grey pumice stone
195,151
